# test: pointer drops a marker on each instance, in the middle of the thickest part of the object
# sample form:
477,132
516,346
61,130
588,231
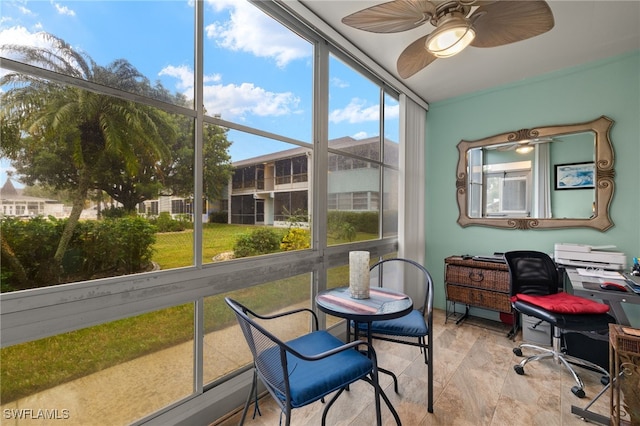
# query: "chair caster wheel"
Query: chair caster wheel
604,380
517,351
519,369
579,392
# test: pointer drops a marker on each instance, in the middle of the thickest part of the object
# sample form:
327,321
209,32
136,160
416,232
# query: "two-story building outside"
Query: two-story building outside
269,189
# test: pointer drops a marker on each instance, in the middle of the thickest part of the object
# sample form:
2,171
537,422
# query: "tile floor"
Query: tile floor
474,384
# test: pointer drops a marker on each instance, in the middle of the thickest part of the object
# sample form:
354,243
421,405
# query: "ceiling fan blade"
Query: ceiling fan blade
506,147
541,140
505,22
414,58
392,17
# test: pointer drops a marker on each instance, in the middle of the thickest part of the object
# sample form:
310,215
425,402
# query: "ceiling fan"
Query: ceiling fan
524,146
458,24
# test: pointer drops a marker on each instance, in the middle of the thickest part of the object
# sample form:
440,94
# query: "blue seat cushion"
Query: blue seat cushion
411,325
311,380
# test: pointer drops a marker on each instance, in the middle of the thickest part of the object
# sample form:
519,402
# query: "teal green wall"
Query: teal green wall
610,87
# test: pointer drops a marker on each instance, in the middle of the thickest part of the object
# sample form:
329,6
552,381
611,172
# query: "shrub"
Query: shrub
259,241
114,212
121,245
296,239
107,247
218,217
345,231
165,223
345,224
33,243
134,238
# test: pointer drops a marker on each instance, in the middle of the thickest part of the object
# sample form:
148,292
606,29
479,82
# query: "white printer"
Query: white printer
586,256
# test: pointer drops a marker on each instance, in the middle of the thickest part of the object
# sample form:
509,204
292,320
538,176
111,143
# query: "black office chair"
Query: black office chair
535,280
412,329
308,368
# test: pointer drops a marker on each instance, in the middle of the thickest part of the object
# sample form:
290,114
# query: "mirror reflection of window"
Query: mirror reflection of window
476,186
489,189
507,192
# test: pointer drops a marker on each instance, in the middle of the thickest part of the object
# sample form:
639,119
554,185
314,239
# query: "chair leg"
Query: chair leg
561,358
430,379
326,408
380,393
422,349
252,393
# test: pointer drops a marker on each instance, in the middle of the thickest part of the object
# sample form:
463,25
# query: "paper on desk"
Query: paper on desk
601,273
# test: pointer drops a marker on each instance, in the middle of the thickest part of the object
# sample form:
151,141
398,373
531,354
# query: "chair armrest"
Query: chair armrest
347,346
283,314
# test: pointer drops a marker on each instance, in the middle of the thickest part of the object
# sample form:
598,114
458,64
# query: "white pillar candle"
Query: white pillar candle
359,274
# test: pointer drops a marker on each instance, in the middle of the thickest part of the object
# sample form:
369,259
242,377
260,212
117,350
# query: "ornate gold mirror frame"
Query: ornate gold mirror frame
604,174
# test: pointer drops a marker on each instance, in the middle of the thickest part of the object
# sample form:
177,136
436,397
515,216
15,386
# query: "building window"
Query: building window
287,204
299,169
244,178
283,171
243,209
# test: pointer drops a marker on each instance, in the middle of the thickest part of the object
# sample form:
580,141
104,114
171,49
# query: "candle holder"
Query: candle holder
359,274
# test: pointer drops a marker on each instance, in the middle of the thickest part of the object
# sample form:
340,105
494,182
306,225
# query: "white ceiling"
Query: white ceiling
584,31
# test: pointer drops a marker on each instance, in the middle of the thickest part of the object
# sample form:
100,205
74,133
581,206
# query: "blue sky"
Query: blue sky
256,72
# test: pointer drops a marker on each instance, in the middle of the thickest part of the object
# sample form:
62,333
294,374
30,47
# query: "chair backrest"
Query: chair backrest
268,351
407,276
532,272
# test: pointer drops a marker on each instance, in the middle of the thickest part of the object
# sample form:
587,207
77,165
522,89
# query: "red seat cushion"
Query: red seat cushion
563,303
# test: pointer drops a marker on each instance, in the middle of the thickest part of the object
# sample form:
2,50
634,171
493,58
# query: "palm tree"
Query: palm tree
67,131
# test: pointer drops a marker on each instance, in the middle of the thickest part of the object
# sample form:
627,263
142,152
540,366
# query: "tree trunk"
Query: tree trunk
14,264
79,197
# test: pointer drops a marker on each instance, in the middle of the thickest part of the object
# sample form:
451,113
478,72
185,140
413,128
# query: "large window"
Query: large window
138,170
361,162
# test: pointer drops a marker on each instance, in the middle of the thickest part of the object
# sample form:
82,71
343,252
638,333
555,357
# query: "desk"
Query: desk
589,287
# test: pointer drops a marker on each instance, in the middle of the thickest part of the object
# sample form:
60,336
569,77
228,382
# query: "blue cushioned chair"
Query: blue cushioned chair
415,328
305,369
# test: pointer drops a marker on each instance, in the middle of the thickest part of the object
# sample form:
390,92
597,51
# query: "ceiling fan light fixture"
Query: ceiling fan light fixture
525,149
452,35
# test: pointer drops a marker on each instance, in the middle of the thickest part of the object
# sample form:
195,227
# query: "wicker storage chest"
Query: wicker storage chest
477,283
624,355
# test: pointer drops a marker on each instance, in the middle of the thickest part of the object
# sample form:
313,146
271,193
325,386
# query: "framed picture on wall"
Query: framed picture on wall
575,175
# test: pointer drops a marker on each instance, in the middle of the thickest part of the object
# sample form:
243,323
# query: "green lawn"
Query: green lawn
34,366
175,249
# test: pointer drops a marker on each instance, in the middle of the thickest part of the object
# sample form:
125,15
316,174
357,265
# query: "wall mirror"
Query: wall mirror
545,177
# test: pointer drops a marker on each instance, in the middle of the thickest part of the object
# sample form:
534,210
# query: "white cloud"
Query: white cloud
360,135
63,10
392,111
339,83
25,11
19,35
234,101
237,101
250,30
356,112
185,77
